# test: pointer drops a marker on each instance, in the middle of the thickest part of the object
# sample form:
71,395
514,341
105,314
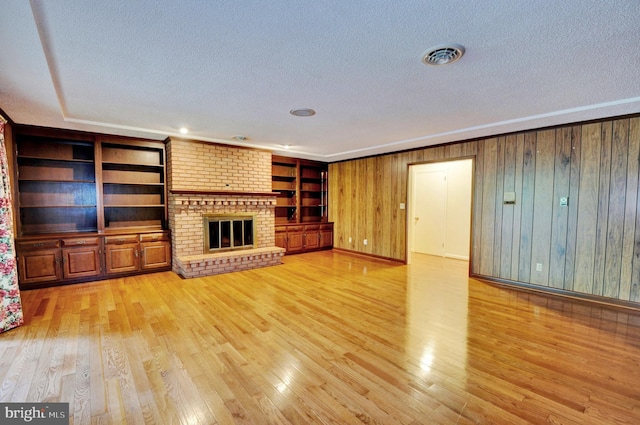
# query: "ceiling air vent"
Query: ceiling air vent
443,55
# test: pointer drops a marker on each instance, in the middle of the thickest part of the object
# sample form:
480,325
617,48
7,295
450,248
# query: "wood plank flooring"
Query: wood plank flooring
325,338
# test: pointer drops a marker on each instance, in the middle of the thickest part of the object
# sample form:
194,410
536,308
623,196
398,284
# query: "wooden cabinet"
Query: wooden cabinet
301,188
281,236
54,260
122,254
304,238
301,204
133,253
326,236
155,251
76,259
79,192
38,266
81,257
312,236
295,239
154,255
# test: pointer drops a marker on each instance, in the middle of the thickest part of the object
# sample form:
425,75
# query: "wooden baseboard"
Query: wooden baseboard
576,296
367,255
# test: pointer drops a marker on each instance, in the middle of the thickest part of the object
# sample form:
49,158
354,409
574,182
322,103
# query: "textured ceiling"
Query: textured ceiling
227,68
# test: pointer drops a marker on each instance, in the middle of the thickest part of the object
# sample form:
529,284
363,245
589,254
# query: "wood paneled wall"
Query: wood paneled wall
365,196
590,246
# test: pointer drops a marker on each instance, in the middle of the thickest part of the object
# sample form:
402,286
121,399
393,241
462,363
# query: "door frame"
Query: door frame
411,203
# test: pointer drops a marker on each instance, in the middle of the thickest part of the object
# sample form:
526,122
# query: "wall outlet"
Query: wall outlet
365,241
402,205
350,239
538,267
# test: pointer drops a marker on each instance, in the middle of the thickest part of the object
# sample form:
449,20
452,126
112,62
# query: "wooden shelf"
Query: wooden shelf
302,190
57,206
87,161
56,181
53,148
55,170
58,175
133,186
113,154
134,205
71,193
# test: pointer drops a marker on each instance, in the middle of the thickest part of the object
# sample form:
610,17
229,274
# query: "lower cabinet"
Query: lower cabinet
122,258
155,251
297,238
326,236
81,258
52,260
39,266
76,259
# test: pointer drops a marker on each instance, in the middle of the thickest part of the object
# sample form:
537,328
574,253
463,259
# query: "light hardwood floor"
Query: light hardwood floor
325,338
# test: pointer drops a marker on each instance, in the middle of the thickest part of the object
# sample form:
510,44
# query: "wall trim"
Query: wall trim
563,293
371,256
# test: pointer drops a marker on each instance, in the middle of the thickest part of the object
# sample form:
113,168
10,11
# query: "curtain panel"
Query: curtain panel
10,304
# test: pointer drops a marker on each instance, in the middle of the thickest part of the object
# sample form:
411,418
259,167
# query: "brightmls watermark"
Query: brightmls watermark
34,413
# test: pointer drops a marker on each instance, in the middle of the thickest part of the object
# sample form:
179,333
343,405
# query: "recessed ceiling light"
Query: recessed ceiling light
305,112
287,146
184,130
443,54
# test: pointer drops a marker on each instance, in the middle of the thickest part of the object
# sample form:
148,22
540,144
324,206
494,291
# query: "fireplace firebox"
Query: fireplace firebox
229,232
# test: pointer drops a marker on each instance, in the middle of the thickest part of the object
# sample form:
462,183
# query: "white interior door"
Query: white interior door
430,212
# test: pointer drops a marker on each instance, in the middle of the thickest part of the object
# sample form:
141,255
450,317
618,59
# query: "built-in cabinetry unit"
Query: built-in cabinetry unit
301,204
88,206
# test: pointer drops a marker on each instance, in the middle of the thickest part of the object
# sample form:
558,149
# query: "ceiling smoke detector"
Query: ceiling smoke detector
443,54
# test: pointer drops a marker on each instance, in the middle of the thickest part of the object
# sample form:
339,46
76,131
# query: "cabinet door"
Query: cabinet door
312,239
155,255
295,241
39,266
326,238
81,262
122,258
281,238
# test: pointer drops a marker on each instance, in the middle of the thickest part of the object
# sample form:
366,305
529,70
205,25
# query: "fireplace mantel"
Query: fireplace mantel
220,193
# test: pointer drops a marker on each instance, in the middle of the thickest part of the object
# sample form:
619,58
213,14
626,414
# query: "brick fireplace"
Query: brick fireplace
210,179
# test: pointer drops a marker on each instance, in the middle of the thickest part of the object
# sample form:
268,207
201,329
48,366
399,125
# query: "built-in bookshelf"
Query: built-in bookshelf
133,186
88,206
301,203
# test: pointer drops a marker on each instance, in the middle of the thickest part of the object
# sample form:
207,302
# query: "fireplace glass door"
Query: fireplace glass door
226,233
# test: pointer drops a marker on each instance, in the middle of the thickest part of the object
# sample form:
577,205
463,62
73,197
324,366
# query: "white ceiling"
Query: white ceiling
227,68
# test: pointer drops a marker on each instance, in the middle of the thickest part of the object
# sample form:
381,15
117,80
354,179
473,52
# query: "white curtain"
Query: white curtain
10,304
